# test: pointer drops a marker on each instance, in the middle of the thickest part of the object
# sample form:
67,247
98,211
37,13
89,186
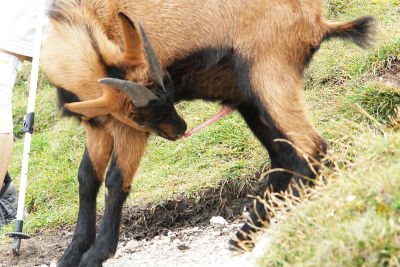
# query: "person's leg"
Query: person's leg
6,144
9,65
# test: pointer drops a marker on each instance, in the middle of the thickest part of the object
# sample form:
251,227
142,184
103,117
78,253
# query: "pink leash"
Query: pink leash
224,111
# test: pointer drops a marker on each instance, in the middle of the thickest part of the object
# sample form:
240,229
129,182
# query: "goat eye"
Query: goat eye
139,119
131,115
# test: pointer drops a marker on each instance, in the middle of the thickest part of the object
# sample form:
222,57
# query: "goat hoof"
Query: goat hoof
241,246
88,260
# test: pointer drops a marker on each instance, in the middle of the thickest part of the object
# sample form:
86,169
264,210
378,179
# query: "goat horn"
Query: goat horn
155,70
140,95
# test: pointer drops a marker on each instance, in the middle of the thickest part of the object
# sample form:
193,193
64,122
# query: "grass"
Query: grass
226,150
352,220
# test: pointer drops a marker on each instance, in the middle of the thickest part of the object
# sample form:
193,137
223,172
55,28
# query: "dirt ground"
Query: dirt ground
389,72
182,225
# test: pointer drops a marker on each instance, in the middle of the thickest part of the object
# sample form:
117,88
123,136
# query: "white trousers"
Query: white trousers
9,67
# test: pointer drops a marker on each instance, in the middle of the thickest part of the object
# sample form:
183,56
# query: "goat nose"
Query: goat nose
179,136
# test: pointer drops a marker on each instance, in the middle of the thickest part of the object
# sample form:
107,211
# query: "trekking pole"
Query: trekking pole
28,129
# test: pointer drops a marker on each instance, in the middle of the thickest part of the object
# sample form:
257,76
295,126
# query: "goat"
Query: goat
249,55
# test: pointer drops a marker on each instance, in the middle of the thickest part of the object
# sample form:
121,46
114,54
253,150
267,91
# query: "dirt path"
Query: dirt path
176,233
195,246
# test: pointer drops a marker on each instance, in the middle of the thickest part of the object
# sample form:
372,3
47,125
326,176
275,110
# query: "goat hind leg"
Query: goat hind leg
90,175
302,140
264,130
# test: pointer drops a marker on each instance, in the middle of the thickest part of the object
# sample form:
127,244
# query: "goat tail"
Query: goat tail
360,31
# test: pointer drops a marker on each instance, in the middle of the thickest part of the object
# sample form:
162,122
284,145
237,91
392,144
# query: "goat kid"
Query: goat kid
246,54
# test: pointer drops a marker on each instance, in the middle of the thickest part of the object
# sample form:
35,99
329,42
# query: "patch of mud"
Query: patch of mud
227,200
42,248
388,72
144,222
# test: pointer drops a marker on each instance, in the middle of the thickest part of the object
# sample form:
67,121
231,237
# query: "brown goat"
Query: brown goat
246,54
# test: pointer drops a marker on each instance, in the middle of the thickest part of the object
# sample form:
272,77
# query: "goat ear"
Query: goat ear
134,52
140,95
106,104
133,44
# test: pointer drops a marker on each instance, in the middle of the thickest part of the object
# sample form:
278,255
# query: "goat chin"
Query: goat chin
246,54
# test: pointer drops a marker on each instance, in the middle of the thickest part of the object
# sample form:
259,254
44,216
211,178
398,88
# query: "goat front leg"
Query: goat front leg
90,176
129,145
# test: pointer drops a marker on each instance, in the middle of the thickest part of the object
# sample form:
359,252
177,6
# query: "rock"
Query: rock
191,230
162,241
132,244
183,247
218,221
195,229
171,234
215,233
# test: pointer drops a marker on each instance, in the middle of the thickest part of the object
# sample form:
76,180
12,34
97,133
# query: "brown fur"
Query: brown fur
129,146
274,36
100,145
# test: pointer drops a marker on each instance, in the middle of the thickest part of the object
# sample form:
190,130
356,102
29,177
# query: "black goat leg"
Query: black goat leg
85,231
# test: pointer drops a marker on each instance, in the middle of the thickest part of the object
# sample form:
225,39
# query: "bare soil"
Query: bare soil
146,223
389,72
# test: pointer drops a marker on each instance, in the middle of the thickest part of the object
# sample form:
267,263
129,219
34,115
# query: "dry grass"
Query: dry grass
353,220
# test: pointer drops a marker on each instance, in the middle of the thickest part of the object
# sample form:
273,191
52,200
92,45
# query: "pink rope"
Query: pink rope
224,111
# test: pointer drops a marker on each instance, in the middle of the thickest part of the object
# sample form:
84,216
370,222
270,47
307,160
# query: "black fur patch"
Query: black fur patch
64,97
311,53
211,74
118,72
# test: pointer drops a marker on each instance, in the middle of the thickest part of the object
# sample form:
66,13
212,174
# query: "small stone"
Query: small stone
164,240
216,233
183,247
170,234
218,221
350,198
131,244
